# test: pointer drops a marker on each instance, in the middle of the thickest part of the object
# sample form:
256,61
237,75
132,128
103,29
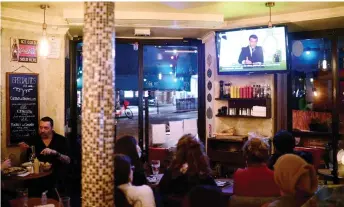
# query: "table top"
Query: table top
29,177
226,190
327,172
327,195
32,202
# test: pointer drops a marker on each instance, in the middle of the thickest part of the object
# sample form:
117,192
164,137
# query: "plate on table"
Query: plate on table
26,164
222,183
152,179
14,171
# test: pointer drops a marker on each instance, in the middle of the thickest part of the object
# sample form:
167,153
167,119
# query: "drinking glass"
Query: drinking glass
23,197
155,166
33,154
64,202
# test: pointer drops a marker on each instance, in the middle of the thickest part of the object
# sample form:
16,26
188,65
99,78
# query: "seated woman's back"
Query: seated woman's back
189,168
256,180
181,184
136,196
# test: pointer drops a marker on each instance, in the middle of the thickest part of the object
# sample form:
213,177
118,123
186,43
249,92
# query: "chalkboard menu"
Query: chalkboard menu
22,106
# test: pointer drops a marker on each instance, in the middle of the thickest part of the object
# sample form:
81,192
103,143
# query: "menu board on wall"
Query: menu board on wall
22,106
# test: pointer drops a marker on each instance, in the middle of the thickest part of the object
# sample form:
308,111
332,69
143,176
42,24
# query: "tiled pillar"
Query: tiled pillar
98,105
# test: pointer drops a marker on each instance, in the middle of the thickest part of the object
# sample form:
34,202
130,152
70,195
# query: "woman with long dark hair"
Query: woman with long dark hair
127,145
126,194
189,168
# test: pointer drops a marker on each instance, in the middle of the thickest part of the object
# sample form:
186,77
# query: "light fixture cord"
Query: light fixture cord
270,13
44,14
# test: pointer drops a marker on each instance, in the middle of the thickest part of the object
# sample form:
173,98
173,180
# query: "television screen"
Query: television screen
252,50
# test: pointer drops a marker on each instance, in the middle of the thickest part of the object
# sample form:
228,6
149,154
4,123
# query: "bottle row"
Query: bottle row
227,90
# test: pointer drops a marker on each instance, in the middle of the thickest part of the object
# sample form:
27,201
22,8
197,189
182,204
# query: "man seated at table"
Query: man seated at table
49,147
284,143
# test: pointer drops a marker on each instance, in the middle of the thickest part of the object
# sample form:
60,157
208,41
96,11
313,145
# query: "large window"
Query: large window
311,85
169,79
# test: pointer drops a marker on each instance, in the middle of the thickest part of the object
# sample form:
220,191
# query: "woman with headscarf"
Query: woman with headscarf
296,179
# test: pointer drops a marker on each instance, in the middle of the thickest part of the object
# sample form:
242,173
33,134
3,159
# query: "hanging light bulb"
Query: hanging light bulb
315,93
324,63
44,44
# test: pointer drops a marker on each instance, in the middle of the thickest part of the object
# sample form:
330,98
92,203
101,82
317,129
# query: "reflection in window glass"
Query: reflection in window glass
341,83
128,94
171,84
311,85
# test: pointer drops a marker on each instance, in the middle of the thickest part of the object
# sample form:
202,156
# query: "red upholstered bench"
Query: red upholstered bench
316,152
162,154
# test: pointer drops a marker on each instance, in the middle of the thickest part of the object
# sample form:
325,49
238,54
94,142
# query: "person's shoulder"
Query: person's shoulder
141,190
239,173
59,136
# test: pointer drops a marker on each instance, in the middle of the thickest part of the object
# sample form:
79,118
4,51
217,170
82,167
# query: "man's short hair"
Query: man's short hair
284,141
47,118
253,37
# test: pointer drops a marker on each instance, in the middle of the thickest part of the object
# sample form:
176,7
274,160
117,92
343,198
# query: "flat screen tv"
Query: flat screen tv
252,50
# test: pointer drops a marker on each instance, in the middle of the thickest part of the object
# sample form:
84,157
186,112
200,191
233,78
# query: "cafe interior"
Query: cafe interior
165,104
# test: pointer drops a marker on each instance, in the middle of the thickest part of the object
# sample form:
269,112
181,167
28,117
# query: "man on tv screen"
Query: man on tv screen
252,54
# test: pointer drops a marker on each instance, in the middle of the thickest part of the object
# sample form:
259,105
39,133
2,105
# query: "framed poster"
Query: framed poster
22,106
23,50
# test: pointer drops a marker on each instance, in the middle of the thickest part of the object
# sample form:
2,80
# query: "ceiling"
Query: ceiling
232,13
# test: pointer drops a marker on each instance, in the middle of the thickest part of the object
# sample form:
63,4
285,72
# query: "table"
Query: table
29,177
226,190
327,175
33,202
327,195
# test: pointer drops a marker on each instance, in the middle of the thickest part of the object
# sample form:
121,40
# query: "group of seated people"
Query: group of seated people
287,178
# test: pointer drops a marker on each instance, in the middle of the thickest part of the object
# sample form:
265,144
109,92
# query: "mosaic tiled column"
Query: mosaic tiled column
98,105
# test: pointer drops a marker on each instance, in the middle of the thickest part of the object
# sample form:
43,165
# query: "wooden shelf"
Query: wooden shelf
241,116
242,99
311,133
213,139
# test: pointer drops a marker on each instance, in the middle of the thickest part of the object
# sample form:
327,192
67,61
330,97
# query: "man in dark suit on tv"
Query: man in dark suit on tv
252,54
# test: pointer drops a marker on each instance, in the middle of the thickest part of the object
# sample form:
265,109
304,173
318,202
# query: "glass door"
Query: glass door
170,83
127,90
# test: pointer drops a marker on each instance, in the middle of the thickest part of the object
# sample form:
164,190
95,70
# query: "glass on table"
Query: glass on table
23,197
64,202
155,164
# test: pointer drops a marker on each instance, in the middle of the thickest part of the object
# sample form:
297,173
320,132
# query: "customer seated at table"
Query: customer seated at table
296,179
50,147
256,180
5,194
127,145
204,196
284,143
127,194
189,168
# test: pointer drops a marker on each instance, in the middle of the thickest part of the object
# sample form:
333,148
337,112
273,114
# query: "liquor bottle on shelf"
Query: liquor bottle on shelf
268,91
258,92
221,89
254,89
262,91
